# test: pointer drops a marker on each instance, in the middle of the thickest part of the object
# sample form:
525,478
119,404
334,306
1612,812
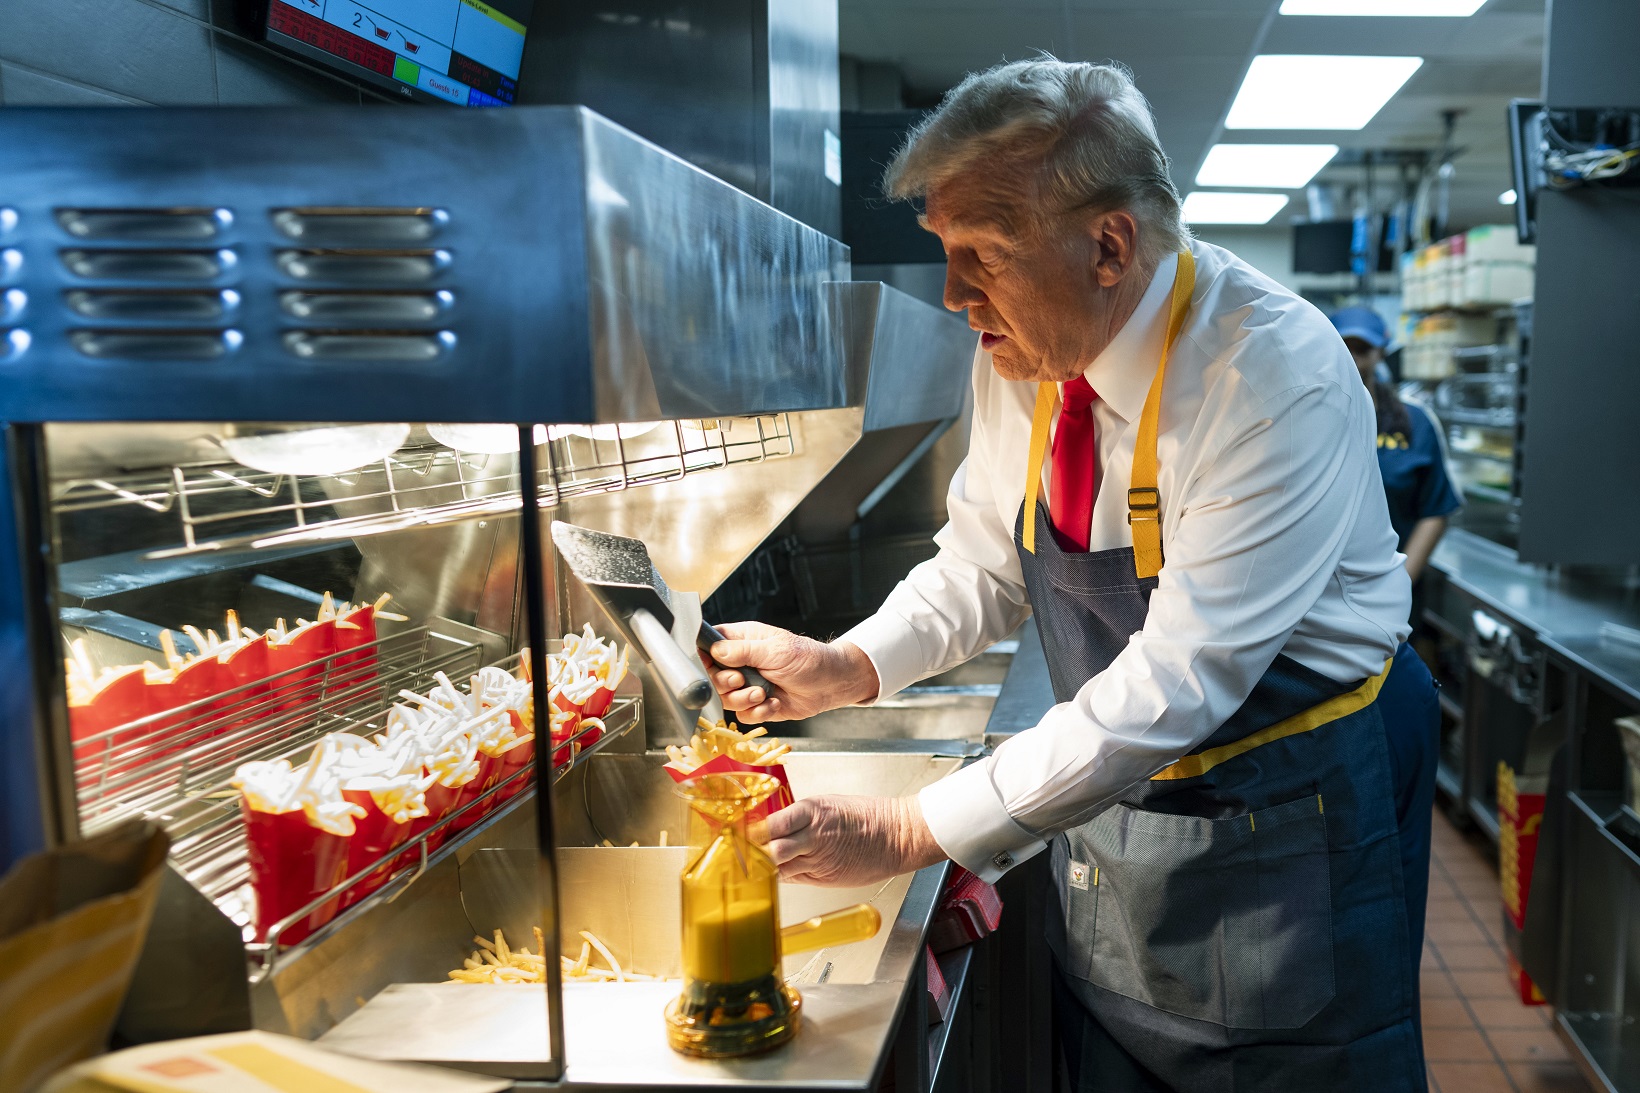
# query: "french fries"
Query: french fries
496,962
717,738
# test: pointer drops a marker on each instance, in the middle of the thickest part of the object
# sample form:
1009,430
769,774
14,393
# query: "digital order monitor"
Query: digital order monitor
465,52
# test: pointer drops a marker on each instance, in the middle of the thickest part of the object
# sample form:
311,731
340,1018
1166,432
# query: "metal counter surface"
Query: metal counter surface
1562,610
1026,692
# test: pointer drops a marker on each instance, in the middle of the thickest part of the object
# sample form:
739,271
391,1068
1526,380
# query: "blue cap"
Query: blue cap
1363,323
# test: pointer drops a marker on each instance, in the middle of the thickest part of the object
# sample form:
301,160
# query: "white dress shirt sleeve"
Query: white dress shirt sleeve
949,608
1262,531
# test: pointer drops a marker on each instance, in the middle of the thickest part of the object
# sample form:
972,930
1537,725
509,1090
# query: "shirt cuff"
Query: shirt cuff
967,818
889,642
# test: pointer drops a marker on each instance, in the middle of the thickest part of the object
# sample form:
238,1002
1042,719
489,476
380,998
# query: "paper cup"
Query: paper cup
293,863
374,839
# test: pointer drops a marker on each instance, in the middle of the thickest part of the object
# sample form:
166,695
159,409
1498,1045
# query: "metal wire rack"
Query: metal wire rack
175,768
224,505
175,765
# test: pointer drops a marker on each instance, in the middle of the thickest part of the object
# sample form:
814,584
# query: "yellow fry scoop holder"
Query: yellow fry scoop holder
734,1001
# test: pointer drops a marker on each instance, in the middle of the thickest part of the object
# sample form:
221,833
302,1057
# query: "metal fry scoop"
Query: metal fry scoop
617,571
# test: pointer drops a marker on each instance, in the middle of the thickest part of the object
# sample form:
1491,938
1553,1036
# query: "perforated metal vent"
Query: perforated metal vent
149,284
367,279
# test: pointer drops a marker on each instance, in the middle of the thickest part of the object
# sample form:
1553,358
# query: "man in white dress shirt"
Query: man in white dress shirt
1218,592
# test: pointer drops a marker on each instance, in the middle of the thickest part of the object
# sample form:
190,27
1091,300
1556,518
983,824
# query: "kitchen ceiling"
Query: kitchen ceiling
1188,57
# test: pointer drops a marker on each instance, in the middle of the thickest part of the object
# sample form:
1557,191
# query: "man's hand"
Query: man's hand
844,842
808,676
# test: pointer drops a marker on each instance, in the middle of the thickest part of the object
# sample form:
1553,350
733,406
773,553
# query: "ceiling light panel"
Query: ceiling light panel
1210,207
1370,8
1305,91
1271,166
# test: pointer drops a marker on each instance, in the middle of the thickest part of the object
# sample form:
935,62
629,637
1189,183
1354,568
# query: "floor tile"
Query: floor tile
1466,958
1524,1045
1452,910
1486,1077
1447,931
1456,1045
1433,982
1547,1078
1448,1012
1507,1013
1484,983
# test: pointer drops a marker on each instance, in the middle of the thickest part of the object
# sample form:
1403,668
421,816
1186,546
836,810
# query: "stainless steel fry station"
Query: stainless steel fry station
819,545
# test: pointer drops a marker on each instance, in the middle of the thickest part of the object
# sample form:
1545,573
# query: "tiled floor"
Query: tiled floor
1478,1038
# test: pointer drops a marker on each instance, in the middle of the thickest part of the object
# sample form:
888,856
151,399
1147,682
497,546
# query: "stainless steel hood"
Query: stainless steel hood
535,264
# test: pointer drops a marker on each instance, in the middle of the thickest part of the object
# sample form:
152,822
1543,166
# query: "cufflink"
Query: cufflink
1003,860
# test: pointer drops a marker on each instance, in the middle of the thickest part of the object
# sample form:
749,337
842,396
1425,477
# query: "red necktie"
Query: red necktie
1074,480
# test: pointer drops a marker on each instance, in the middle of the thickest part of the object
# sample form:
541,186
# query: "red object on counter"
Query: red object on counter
489,773
514,760
1520,818
292,863
969,910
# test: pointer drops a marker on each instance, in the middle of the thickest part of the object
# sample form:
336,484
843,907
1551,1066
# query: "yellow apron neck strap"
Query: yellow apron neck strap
1144,499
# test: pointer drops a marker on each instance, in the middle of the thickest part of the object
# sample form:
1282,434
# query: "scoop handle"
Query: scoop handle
754,678
832,928
680,674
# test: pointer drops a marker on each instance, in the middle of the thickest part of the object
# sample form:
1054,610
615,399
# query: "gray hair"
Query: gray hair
1086,125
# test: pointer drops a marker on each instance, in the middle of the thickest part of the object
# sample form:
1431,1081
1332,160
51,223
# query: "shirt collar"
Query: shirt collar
1122,373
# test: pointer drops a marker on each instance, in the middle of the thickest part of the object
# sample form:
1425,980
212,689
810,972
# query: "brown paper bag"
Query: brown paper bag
72,922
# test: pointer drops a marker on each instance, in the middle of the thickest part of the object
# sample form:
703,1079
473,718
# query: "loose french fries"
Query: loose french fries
495,961
718,738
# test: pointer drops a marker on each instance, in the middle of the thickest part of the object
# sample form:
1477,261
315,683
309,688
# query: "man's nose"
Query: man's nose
960,292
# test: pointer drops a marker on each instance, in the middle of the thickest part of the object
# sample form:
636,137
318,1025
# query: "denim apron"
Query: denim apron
1236,921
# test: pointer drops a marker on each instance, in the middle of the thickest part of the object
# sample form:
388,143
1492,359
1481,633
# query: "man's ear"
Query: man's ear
1115,237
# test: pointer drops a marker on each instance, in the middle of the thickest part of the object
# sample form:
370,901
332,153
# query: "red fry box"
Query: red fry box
574,708
562,755
374,838
722,764
247,668
293,863
513,761
489,773
203,678
123,699
354,630
599,703
305,649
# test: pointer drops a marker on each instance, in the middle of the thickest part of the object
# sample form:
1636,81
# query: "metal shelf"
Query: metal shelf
176,767
223,505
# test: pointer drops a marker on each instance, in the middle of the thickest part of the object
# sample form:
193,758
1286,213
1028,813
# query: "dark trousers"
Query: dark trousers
1412,724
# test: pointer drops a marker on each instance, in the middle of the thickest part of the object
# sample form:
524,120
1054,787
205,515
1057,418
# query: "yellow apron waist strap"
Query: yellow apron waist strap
1192,766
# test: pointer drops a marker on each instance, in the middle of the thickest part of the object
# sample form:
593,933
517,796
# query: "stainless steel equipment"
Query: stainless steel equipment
255,356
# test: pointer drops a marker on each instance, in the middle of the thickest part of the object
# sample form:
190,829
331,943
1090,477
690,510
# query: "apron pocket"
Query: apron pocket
1228,920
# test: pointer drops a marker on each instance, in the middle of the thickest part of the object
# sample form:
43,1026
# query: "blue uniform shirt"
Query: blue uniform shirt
1414,471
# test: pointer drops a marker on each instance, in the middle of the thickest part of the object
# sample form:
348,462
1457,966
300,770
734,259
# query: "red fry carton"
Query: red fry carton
373,839
722,764
293,863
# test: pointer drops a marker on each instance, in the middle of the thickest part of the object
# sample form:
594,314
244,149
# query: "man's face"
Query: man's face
1034,292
